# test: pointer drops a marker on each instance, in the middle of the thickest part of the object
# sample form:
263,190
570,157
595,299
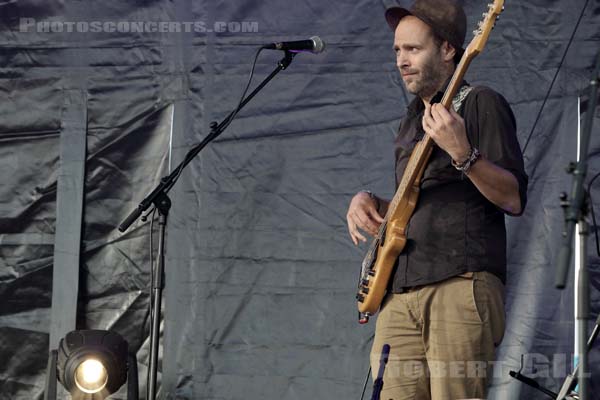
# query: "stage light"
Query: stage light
91,376
92,361
92,364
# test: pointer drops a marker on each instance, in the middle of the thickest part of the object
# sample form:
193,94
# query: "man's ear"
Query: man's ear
448,51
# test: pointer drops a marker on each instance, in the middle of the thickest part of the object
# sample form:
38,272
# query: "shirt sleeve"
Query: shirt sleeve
491,128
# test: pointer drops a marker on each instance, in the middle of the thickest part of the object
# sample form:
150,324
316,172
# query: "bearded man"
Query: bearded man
443,316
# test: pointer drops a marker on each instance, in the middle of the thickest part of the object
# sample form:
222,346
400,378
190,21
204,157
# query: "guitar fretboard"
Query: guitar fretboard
421,153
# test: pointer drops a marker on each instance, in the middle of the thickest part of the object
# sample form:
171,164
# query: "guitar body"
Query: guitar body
392,245
378,264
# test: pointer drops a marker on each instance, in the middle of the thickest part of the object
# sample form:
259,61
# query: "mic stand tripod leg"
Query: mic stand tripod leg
571,380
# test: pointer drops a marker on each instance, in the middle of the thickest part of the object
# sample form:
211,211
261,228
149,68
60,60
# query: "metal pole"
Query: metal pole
582,313
163,205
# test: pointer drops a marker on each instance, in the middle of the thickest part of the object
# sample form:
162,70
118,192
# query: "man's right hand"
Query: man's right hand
362,214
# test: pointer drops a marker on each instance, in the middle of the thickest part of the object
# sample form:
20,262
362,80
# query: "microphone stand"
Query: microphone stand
161,201
576,213
566,391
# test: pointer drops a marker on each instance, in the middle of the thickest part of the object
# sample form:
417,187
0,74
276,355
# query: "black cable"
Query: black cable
589,193
362,396
555,76
149,307
595,224
237,109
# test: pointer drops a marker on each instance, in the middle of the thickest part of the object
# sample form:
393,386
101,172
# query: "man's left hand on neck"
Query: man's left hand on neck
447,129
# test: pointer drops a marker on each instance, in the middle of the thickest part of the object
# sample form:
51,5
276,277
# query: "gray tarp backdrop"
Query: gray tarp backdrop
261,273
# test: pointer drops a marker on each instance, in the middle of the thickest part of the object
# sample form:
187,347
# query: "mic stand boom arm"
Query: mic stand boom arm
167,182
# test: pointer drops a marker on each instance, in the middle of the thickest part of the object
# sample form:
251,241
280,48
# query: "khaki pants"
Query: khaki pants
442,337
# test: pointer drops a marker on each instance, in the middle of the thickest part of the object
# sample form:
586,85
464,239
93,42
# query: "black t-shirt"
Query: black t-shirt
454,228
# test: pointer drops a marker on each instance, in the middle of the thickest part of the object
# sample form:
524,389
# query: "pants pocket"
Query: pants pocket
494,305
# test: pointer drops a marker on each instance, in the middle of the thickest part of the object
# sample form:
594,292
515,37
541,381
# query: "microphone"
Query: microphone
312,45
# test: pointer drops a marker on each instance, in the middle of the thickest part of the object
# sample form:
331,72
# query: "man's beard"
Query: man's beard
430,79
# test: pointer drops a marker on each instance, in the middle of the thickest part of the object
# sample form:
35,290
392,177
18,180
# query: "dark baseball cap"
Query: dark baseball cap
445,17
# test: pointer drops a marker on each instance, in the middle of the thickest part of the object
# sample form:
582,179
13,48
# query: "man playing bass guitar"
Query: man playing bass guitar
443,315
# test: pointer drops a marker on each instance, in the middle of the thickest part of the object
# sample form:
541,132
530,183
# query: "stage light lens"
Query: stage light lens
92,362
91,376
